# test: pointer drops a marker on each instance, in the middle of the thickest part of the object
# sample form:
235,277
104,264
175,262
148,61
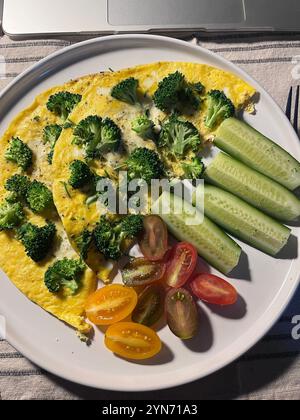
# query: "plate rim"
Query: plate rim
270,316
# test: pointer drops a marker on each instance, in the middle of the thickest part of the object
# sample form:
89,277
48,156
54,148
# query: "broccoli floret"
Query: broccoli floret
64,274
110,137
174,93
144,164
97,136
194,169
39,197
35,194
63,103
37,241
179,137
126,91
88,131
81,175
18,185
144,127
110,236
51,135
11,215
83,243
219,108
19,153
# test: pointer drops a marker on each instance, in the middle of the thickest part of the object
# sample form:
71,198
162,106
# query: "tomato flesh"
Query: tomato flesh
214,290
182,313
141,272
150,305
132,341
154,243
182,263
111,304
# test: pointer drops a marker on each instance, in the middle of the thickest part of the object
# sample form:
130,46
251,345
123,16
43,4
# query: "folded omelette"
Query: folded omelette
27,275
97,100
73,215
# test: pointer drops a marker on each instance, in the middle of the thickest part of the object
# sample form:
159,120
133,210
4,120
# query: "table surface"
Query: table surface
271,370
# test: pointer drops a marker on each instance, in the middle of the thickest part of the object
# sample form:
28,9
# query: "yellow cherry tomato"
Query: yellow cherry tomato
132,341
111,304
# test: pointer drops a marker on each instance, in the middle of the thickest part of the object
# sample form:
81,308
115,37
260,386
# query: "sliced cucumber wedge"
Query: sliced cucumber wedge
249,146
253,187
212,243
244,221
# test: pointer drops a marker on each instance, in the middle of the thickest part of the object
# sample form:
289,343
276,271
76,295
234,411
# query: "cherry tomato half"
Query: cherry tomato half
132,341
154,243
141,272
150,305
110,304
214,290
182,313
182,263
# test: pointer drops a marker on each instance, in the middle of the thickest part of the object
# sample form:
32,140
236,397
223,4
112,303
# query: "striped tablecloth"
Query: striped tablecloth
271,370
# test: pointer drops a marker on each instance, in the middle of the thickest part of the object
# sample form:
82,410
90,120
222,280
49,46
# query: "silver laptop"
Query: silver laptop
23,18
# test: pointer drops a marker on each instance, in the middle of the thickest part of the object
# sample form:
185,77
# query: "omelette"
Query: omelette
27,275
71,214
97,100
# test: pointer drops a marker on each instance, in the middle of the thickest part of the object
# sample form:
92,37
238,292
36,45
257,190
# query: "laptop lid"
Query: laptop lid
52,17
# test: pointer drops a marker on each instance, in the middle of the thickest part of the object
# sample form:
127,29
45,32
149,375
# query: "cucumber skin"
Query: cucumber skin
253,187
244,221
246,144
213,245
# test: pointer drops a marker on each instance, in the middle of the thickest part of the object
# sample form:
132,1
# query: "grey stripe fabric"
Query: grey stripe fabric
271,370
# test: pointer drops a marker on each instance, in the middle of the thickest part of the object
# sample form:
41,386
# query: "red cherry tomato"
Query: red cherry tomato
214,290
182,263
154,243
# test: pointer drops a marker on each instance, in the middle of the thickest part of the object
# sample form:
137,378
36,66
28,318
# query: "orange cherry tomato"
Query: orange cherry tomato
111,304
132,341
154,242
214,290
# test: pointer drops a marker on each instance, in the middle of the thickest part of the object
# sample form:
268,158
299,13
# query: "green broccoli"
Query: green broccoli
18,185
81,175
63,103
64,274
97,136
11,215
179,137
219,108
144,127
84,242
36,240
174,93
109,236
51,135
194,169
19,153
126,91
110,137
144,164
39,197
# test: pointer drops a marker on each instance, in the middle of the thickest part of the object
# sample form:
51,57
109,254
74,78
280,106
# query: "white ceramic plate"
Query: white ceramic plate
265,284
